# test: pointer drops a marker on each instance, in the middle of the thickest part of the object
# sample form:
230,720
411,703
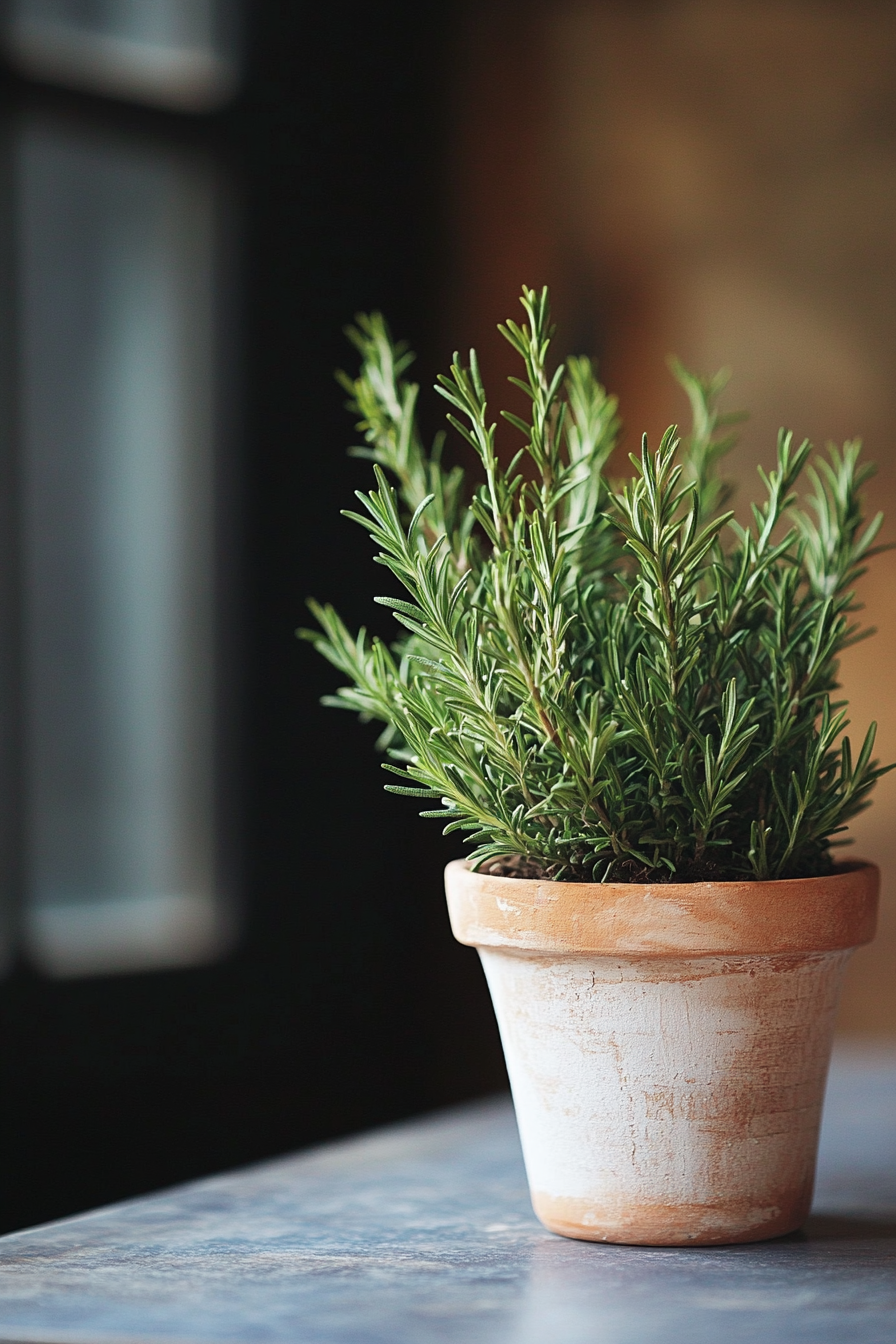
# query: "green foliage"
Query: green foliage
599,681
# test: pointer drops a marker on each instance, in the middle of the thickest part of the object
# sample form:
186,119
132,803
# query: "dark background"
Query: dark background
714,180
345,1002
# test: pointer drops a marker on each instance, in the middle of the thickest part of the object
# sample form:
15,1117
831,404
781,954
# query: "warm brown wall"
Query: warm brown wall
716,179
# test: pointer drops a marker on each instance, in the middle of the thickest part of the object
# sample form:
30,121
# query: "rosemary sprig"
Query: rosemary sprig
606,681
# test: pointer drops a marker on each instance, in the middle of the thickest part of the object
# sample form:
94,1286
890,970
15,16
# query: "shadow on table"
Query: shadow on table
844,1227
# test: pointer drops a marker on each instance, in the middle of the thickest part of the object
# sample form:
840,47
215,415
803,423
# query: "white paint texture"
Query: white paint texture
667,1045
667,1100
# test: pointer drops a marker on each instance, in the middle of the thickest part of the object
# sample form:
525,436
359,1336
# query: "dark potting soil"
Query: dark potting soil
631,871
627,871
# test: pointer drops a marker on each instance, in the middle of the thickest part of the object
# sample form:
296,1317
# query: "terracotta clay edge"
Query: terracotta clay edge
798,915
673,1225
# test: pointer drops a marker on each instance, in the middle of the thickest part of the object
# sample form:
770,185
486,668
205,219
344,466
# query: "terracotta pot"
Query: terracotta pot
667,1045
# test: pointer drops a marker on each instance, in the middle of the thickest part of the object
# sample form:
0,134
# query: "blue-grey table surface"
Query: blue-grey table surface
423,1232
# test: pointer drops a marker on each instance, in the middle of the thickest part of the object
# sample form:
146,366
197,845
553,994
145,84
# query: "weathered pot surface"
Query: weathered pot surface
667,1044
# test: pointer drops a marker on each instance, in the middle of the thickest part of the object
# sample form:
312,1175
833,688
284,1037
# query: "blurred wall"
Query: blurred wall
718,180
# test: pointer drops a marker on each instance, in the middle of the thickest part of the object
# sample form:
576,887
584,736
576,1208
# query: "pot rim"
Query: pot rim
785,915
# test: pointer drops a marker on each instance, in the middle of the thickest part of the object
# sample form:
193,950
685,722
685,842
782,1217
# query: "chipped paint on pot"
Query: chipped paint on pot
667,1045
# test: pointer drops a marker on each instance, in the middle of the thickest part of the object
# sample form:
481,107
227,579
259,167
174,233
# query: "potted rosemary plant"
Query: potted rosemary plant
623,696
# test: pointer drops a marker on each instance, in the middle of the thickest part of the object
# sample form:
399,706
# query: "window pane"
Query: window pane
118,303
177,53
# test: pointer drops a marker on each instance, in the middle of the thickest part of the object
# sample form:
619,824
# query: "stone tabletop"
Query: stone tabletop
423,1234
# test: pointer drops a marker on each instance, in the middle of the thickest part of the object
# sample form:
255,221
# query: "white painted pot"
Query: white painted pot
667,1045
